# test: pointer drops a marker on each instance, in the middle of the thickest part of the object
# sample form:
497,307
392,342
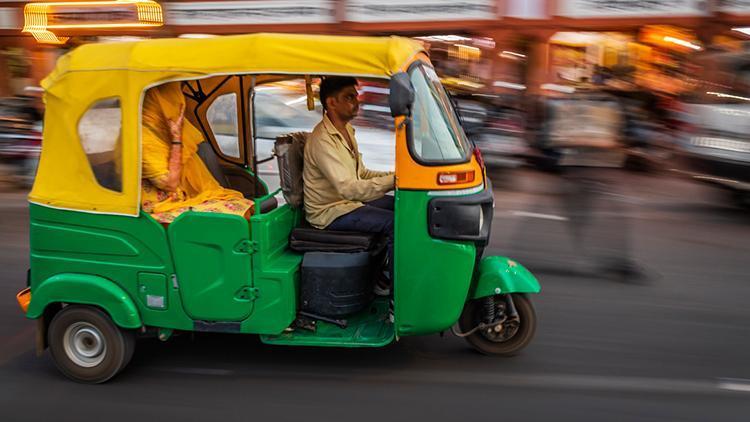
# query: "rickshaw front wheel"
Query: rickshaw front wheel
506,339
87,346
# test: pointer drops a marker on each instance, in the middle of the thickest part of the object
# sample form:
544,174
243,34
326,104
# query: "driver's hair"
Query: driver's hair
332,85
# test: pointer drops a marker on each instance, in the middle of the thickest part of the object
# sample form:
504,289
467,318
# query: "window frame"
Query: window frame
415,66
215,140
118,140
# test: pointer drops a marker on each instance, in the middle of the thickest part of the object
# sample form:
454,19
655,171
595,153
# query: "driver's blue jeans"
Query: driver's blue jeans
374,217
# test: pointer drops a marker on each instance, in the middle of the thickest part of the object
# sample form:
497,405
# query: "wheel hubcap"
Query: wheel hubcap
84,344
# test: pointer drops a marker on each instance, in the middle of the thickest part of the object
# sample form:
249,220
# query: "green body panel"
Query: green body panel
432,276
85,289
152,290
499,272
275,271
116,249
369,328
212,255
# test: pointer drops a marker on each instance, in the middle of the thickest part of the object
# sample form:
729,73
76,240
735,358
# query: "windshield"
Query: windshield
436,135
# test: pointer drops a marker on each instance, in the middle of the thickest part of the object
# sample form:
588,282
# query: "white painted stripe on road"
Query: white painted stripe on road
538,215
613,384
202,371
733,384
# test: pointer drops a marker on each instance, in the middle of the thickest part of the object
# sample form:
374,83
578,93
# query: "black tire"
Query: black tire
87,346
472,316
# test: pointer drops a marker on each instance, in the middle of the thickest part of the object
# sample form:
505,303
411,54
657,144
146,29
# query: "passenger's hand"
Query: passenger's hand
175,126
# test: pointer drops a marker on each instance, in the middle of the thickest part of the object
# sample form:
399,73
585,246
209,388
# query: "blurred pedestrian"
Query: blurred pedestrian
590,161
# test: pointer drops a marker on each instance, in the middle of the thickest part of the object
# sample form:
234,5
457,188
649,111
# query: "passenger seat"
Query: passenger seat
207,154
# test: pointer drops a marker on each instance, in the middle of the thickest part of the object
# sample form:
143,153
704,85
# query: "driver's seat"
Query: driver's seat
289,150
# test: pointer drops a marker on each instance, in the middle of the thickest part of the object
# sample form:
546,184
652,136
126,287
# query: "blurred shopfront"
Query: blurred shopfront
489,46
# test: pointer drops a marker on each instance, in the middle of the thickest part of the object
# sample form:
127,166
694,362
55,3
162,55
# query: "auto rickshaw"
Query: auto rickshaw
104,272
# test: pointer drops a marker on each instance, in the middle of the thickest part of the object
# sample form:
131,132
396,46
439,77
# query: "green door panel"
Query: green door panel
89,290
114,247
432,277
212,255
275,271
498,274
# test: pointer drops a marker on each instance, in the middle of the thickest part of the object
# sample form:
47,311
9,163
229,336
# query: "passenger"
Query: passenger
340,192
175,179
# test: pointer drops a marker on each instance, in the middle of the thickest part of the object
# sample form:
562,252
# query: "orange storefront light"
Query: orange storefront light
42,19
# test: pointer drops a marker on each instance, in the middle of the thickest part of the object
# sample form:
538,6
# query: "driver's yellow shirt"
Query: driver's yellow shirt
336,181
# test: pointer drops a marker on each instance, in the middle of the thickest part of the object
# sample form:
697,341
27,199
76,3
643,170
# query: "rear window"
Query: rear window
99,131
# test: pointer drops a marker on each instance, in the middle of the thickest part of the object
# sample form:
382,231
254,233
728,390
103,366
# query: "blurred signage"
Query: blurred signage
90,15
527,9
669,37
630,8
42,20
736,7
9,18
419,10
250,12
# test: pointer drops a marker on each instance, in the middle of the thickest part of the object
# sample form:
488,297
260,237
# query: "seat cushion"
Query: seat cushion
308,239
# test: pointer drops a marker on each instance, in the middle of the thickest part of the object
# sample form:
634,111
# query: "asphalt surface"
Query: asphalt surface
669,342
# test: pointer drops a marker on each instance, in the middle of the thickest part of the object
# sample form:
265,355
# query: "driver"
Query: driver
340,192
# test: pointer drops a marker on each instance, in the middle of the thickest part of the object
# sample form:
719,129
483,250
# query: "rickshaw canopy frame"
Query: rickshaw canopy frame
125,70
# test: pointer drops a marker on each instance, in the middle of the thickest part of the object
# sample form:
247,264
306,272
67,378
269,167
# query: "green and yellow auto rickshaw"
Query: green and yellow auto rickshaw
104,272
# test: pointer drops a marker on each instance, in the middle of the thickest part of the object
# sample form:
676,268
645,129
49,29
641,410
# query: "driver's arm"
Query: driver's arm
365,173
351,188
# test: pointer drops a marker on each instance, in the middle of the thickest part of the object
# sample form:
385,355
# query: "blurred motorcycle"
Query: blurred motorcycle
20,139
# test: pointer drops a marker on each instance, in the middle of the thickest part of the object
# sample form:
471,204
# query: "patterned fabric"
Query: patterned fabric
151,195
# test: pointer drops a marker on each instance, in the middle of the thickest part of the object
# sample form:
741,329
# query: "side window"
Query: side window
100,133
222,117
281,108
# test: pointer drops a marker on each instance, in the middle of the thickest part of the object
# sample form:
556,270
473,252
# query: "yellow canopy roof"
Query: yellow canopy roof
95,72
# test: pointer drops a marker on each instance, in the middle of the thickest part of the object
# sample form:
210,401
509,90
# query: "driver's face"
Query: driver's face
346,104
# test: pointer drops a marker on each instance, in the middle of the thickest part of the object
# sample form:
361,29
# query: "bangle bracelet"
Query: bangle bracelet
176,142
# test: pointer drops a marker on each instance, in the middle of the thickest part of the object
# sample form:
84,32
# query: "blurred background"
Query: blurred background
617,137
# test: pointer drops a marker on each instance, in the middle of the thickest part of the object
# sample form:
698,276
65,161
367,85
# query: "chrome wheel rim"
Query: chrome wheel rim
84,344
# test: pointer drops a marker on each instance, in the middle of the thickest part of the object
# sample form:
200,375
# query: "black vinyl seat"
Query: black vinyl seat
310,239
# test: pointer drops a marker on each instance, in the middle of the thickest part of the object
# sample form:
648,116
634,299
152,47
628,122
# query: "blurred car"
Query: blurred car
715,122
494,127
501,139
20,138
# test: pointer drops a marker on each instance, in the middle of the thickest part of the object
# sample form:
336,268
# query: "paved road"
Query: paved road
670,345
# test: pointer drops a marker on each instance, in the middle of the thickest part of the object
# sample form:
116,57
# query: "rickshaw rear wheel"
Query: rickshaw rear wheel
488,341
87,346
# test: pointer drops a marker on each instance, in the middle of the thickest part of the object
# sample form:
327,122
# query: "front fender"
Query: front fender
500,275
86,290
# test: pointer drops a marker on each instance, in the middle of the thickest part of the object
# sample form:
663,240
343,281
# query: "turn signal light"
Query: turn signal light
24,298
455,177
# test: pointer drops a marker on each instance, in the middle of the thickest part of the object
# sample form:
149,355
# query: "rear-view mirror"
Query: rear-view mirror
401,97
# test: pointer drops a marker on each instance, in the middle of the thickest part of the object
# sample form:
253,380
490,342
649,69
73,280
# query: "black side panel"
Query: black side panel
462,217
